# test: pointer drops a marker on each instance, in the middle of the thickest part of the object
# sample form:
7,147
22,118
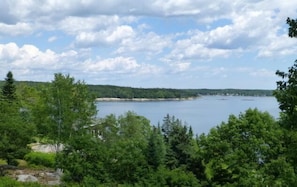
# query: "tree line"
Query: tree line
251,149
110,91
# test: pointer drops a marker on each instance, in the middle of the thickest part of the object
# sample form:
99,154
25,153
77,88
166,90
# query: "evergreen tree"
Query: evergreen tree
9,88
179,142
156,149
15,131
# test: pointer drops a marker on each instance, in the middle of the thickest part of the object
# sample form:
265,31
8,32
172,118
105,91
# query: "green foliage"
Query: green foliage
178,139
127,162
15,132
239,151
251,149
151,93
115,153
64,110
292,32
237,92
286,95
9,182
110,91
83,159
156,149
9,89
41,159
175,177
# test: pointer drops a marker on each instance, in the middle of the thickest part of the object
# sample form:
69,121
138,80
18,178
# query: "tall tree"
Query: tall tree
179,142
127,162
156,149
9,88
15,131
242,151
286,95
66,109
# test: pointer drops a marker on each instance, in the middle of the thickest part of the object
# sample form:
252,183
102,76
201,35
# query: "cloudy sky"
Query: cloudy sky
152,43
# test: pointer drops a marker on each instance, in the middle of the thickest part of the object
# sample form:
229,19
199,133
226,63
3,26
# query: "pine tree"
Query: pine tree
8,90
156,149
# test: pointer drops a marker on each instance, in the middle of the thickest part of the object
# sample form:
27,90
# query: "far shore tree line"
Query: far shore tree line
110,91
251,149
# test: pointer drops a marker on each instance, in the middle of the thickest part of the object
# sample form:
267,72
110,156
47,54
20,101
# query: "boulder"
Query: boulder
27,178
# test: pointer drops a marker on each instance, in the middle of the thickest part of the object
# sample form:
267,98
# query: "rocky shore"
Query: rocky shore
144,99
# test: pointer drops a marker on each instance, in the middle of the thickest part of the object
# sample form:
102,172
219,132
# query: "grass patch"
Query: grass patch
7,181
2,162
38,159
22,163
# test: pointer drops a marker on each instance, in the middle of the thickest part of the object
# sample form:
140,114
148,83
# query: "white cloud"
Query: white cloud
28,59
180,66
118,64
27,56
149,43
16,29
109,36
52,39
129,37
190,49
282,45
74,25
122,65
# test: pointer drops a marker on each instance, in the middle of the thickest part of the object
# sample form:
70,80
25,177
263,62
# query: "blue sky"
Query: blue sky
153,43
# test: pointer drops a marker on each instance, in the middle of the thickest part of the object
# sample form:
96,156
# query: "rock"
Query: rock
45,148
41,174
26,178
54,183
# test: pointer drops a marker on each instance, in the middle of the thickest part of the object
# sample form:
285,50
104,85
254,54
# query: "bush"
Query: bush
41,159
175,177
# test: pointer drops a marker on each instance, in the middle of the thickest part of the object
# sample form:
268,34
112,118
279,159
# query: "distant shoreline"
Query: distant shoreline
143,99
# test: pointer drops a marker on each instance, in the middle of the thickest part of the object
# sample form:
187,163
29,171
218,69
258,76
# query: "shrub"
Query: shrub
41,159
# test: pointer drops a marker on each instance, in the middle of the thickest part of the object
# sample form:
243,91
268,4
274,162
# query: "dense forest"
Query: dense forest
109,91
251,149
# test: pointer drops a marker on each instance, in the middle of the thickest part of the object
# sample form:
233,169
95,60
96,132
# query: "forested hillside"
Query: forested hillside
109,91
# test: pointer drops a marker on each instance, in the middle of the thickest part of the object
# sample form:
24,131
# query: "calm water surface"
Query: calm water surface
202,113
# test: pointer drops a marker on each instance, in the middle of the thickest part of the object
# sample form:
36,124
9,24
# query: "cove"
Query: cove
202,113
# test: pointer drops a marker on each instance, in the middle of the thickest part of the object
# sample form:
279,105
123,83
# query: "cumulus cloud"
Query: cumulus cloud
150,43
16,29
281,45
27,56
132,43
28,59
109,36
119,64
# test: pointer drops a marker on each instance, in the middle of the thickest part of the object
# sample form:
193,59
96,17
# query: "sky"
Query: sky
149,44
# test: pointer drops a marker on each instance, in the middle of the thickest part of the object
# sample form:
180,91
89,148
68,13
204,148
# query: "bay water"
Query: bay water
202,113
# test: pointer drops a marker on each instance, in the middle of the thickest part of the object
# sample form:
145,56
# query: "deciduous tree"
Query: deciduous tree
240,151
